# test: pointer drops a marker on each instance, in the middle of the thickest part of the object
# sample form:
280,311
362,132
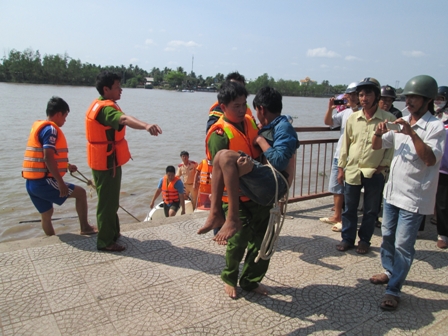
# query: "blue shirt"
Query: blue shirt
283,140
48,136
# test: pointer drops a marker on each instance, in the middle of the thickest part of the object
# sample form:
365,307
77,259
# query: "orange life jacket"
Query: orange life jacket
218,113
34,166
205,178
97,143
237,141
169,193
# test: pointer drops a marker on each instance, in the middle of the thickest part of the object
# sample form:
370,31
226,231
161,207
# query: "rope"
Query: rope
276,219
91,185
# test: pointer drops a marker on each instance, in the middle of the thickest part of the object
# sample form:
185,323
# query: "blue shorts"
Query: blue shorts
259,185
334,187
44,192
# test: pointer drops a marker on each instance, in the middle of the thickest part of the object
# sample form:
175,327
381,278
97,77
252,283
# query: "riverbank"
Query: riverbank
167,283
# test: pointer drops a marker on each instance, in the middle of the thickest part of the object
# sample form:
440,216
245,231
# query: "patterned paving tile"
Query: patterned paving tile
14,258
41,326
23,309
87,319
69,297
168,282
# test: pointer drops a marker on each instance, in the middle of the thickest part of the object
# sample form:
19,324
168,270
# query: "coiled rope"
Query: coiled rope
276,219
91,185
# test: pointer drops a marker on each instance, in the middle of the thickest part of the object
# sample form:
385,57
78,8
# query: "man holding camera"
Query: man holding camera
410,192
339,119
361,166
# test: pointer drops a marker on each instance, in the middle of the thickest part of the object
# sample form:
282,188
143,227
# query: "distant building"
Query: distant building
148,82
307,81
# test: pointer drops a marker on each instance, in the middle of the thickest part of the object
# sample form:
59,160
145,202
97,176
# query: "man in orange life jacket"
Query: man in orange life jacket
107,151
215,111
46,162
247,210
172,190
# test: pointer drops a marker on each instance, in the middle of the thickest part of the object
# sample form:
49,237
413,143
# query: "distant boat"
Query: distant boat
187,90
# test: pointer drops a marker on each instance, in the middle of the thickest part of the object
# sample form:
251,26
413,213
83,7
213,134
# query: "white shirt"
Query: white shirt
412,185
340,119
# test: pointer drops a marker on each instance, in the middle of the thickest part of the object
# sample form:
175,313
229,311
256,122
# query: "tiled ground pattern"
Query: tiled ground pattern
167,283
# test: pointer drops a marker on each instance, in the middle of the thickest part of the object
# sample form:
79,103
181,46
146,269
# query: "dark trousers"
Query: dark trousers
442,206
373,187
108,190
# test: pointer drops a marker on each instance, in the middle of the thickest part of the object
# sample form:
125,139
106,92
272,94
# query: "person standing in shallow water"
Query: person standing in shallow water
45,164
172,190
107,151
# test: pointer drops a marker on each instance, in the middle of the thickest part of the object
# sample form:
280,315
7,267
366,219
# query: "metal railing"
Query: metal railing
312,166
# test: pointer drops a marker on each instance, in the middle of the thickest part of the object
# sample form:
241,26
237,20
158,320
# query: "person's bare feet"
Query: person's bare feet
230,291
228,230
89,230
261,289
213,221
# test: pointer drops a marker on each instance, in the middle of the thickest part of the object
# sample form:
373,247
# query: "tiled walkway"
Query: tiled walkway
167,283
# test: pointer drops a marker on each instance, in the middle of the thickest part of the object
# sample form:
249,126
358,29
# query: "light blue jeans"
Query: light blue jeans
399,230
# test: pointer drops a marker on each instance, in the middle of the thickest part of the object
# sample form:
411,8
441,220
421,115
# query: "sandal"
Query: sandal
389,302
343,246
379,279
113,248
337,227
363,248
433,220
327,220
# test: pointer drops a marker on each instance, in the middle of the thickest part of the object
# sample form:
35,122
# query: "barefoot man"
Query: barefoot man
244,214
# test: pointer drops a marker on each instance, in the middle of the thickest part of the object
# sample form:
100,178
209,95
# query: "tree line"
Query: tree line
30,67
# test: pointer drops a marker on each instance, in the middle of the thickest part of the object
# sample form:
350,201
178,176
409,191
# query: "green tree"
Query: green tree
174,78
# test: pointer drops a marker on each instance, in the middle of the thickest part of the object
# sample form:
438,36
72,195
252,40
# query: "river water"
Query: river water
181,115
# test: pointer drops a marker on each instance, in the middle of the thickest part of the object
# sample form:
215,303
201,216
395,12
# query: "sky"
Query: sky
339,41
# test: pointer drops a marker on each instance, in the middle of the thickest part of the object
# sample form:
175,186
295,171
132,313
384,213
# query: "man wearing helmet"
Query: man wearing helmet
388,96
441,109
410,191
361,166
339,120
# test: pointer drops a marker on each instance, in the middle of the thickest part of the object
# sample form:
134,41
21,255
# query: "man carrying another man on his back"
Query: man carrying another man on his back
248,186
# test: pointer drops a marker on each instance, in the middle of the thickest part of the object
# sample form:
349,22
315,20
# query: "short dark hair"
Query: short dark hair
184,153
369,89
106,78
236,76
229,91
270,99
55,105
170,169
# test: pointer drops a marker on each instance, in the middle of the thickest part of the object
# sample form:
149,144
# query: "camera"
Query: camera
339,102
393,127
